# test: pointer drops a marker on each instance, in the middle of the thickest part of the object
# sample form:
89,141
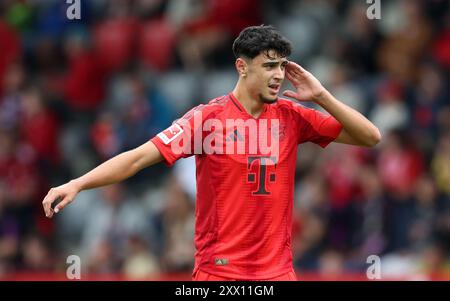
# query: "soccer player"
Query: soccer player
245,145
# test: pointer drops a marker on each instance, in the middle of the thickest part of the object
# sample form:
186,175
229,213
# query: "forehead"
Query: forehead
269,56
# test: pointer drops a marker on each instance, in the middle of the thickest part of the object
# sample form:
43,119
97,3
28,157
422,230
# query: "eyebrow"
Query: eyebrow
274,63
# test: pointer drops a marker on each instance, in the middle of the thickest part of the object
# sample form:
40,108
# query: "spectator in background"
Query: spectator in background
343,205
114,37
10,50
363,36
389,111
441,45
37,254
139,262
19,173
13,81
426,103
84,83
39,127
9,235
177,228
400,164
102,259
399,53
111,221
441,164
202,39
425,199
434,262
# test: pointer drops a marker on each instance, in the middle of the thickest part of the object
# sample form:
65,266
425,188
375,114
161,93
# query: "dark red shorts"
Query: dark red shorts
203,276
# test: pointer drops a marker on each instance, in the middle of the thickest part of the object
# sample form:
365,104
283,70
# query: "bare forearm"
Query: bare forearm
354,123
119,167
112,171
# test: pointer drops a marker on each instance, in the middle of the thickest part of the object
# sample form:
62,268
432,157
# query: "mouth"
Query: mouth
274,88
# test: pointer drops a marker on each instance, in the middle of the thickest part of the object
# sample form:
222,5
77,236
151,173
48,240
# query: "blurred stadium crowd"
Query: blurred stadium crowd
74,93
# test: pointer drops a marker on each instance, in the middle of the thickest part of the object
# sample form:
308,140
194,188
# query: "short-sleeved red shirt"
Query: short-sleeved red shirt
244,198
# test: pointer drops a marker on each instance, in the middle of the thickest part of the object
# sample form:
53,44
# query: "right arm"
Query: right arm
112,171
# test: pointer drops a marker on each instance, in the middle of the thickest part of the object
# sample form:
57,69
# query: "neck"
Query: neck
251,103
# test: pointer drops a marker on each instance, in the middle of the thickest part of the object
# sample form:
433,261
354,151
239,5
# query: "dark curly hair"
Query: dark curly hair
256,39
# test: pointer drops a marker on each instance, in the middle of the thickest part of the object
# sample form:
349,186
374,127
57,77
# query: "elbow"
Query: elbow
374,138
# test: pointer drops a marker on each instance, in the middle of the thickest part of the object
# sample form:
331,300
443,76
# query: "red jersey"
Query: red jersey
244,192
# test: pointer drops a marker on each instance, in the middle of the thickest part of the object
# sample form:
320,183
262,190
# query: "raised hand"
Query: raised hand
307,86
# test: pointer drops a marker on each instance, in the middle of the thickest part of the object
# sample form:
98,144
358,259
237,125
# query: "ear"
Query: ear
241,67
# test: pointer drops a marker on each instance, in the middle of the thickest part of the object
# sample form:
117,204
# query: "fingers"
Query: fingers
63,204
48,201
50,198
291,94
292,78
66,193
295,73
294,67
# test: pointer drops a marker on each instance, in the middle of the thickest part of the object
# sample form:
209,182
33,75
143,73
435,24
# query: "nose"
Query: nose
279,74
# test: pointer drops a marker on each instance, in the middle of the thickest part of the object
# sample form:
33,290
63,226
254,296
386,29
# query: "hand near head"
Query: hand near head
66,193
308,88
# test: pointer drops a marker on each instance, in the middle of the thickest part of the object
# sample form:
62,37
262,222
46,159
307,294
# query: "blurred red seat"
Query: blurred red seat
114,39
156,44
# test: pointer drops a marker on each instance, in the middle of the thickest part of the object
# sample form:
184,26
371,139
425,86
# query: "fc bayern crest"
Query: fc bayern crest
279,132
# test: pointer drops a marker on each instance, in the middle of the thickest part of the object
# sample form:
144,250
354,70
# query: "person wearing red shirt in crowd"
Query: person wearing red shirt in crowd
10,50
245,145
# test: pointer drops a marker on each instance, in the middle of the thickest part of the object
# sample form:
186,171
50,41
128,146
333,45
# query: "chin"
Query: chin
269,100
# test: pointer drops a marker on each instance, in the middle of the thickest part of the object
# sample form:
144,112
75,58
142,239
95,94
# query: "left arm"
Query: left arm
357,129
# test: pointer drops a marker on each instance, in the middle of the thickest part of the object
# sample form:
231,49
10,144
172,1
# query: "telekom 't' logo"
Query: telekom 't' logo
261,170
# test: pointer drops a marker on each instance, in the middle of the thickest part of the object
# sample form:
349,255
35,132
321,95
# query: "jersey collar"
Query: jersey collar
239,106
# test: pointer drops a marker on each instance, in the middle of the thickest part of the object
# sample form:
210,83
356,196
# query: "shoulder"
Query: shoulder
298,111
209,109
219,102
287,105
